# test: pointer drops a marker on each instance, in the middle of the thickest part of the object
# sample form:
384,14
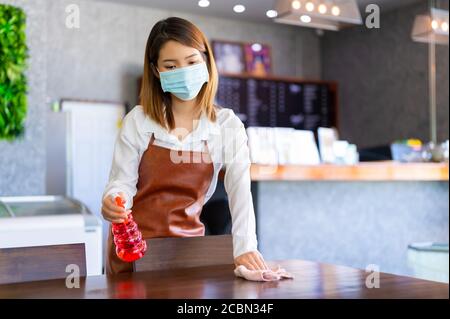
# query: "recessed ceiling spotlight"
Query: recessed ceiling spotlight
322,8
239,8
305,18
335,11
309,6
444,26
203,3
296,4
271,13
434,24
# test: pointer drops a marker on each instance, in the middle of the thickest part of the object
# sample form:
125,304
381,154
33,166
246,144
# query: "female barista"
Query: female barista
171,148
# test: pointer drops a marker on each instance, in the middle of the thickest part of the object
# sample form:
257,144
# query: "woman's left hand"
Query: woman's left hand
252,260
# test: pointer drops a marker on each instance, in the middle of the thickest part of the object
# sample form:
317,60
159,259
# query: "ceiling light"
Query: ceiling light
239,8
323,14
434,24
271,13
309,6
203,3
335,10
305,18
296,4
431,27
322,8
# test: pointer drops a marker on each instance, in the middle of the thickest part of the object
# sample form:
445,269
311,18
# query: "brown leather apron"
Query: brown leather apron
169,198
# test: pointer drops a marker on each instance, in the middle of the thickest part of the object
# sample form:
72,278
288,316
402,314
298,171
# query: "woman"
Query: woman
171,148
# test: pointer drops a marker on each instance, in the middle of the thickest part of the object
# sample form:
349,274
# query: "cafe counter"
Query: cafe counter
359,215
368,171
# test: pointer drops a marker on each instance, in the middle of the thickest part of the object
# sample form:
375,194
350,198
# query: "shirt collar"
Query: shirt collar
203,131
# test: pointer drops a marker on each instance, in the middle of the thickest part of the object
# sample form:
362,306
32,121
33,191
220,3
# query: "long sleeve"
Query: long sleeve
237,186
124,169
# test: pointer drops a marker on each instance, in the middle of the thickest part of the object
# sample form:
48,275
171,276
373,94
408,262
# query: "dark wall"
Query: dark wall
383,78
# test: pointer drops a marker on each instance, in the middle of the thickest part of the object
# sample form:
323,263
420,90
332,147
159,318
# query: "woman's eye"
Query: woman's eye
170,67
193,62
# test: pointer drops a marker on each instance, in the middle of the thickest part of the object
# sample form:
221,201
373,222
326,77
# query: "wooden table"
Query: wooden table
312,280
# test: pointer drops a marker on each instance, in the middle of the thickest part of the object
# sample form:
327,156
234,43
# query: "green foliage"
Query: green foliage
13,62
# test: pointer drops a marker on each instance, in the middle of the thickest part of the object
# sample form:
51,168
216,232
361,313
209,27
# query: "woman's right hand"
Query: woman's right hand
112,212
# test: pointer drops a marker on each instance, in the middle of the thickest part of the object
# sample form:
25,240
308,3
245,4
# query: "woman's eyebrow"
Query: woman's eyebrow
192,55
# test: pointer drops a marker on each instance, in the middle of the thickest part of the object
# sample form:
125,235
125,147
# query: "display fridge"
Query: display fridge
29,221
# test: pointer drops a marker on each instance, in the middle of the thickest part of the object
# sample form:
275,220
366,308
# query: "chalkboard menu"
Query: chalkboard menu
279,102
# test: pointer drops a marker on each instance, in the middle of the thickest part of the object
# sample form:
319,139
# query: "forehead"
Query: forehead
175,50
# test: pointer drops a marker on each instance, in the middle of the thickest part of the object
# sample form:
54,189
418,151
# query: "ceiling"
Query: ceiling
255,9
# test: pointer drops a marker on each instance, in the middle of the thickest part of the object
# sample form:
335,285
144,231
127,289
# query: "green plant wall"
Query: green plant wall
13,62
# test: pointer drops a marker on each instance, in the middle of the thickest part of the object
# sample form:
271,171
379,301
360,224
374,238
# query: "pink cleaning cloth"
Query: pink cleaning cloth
262,275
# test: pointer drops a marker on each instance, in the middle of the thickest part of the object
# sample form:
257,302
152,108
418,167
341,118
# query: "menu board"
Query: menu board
277,102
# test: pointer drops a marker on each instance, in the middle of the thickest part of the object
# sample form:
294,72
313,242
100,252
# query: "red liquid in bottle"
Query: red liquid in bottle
130,245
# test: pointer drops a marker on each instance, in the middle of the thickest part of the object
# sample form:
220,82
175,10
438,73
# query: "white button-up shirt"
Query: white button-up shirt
227,144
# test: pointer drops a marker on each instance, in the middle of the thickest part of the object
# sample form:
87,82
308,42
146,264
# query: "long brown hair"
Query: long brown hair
152,97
